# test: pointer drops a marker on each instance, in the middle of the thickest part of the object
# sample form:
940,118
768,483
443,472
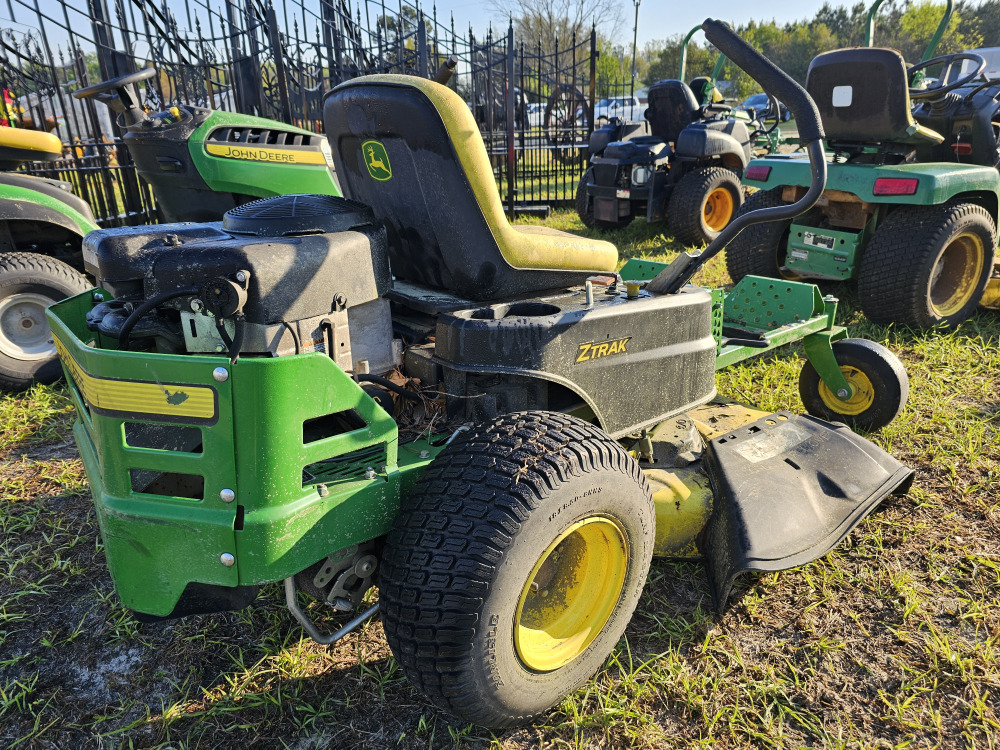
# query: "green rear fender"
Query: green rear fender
936,183
260,170
21,204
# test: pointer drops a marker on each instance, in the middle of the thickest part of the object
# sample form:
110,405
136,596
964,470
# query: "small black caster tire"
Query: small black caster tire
881,386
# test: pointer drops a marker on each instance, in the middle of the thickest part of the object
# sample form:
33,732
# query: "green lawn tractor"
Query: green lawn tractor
400,389
682,165
198,162
910,207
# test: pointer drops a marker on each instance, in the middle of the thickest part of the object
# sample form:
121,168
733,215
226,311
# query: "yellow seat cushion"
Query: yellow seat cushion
44,144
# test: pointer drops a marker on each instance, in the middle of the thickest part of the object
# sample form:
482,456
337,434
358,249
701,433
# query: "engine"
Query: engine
278,276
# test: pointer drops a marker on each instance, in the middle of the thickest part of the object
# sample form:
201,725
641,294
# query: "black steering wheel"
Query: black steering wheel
120,82
948,61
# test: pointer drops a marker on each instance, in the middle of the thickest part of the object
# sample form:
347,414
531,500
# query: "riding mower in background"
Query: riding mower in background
684,165
910,208
489,423
198,162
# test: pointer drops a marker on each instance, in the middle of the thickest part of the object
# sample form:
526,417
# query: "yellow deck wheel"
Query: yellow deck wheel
956,274
862,396
571,593
718,209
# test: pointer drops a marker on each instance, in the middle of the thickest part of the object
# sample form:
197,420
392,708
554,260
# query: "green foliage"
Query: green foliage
903,25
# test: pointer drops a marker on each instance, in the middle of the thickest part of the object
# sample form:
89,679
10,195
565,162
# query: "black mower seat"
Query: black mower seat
18,145
410,149
672,107
863,97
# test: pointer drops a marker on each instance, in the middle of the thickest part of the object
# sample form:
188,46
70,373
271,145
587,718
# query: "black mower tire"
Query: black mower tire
29,283
883,386
759,250
465,564
582,203
927,265
692,198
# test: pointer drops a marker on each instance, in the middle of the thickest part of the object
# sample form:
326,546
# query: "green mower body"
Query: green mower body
488,422
862,194
199,163
910,208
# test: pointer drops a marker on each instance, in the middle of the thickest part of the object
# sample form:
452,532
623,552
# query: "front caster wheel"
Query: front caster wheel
879,383
514,566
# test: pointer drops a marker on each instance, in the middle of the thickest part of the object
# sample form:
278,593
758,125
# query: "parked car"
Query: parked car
758,102
536,115
625,108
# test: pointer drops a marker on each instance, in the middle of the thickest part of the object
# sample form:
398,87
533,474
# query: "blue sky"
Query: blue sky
658,19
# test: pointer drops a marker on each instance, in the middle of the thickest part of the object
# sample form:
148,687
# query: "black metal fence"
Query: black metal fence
534,104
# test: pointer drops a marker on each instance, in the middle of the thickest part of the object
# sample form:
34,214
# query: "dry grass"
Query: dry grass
892,640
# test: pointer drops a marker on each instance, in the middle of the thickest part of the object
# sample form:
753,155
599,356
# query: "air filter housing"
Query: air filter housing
287,215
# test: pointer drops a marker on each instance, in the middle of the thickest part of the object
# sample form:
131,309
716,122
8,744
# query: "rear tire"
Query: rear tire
880,382
927,265
759,250
531,529
29,283
703,203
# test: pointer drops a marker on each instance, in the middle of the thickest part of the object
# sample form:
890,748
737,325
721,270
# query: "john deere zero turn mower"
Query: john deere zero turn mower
199,163
910,208
487,422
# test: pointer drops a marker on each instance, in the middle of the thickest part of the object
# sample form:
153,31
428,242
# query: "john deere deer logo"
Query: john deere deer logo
377,160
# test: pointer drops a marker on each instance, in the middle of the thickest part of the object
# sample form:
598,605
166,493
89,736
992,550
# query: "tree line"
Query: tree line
900,24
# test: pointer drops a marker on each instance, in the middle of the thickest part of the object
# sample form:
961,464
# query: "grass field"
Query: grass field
892,640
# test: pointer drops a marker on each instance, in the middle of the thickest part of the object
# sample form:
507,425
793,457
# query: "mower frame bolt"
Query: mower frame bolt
221,374
227,495
197,305
241,276
369,473
323,490
98,297
228,559
843,394
425,454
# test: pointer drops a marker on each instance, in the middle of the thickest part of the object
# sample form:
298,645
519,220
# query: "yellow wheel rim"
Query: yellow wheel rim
571,593
718,209
862,397
956,274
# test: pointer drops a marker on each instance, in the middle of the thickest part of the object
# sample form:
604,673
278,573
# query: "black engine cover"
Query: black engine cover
292,277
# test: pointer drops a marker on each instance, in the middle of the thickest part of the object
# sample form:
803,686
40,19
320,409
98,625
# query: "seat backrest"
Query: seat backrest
672,107
410,149
863,96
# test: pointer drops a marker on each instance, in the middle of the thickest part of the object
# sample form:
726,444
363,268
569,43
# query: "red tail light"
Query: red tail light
962,149
757,172
895,186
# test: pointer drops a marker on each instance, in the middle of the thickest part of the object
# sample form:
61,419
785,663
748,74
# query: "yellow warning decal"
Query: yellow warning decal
134,397
595,350
270,155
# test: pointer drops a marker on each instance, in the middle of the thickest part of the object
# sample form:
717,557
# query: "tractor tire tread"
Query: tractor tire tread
684,210
753,251
31,266
889,289
468,505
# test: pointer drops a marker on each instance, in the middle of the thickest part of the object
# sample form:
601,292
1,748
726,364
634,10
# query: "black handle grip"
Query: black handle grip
771,78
